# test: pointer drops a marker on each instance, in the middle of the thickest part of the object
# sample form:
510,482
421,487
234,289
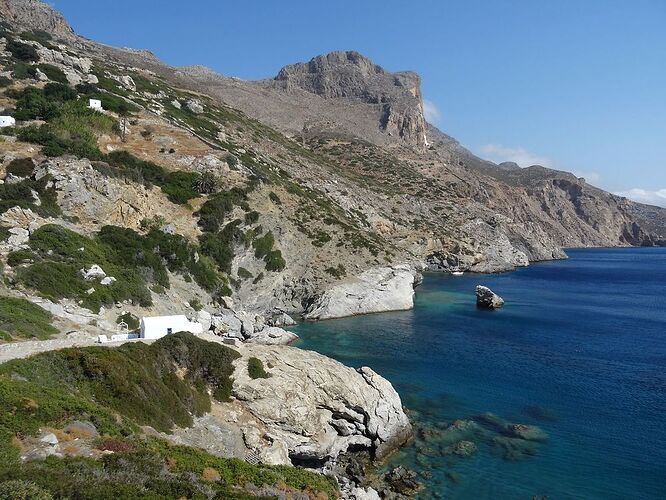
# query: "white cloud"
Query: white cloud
657,197
499,153
431,112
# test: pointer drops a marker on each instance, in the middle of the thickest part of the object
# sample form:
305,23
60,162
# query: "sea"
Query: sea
578,354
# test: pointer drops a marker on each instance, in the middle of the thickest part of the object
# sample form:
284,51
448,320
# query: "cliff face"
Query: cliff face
351,76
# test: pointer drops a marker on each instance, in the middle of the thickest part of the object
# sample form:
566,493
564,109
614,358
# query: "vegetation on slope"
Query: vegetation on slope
20,319
118,389
59,254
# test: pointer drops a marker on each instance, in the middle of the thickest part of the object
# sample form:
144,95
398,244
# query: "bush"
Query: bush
220,246
19,257
21,194
216,209
131,321
337,272
251,217
23,71
53,73
22,51
23,320
196,304
21,167
5,82
275,198
59,92
244,273
180,186
23,490
255,368
33,104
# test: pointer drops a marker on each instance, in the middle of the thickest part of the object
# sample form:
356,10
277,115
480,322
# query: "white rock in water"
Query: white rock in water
307,394
376,290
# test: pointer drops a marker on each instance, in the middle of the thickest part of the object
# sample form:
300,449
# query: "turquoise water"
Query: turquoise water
579,350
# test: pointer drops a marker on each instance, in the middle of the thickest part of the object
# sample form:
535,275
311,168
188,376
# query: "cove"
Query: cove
579,350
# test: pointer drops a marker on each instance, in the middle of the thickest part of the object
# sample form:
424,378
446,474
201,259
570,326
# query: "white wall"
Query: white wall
158,326
7,121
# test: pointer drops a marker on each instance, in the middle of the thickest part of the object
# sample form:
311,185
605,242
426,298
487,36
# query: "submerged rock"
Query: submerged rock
403,481
461,448
487,299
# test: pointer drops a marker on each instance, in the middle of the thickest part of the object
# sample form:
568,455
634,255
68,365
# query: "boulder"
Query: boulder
282,319
49,438
18,237
487,299
205,318
109,280
227,325
128,82
378,289
94,272
272,335
194,106
307,419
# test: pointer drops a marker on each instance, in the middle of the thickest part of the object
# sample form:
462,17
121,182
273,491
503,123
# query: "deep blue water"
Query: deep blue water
583,339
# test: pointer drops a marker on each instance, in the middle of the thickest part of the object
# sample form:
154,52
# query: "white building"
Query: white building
155,327
7,121
95,104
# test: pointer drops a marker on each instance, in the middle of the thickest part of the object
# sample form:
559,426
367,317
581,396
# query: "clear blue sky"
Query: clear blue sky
574,84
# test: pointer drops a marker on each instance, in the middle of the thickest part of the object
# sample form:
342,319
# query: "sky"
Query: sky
577,85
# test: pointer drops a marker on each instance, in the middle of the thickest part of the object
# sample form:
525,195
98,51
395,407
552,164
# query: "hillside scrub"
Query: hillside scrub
117,390
135,261
20,319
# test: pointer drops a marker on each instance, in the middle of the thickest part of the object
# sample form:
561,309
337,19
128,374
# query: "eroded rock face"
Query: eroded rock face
319,407
376,290
487,299
350,75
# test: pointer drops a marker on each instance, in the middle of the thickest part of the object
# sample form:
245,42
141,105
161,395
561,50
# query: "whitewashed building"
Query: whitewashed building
7,121
156,327
95,104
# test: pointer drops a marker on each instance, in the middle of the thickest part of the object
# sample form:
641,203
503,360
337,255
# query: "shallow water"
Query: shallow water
579,350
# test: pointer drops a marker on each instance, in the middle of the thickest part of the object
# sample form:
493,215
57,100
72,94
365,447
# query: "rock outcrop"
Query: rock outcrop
324,407
487,299
376,290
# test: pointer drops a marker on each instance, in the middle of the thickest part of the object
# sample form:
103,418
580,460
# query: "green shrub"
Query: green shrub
59,92
337,272
244,273
196,304
180,186
274,261
21,194
23,490
251,217
33,104
53,73
5,82
263,246
131,321
220,246
19,257
23,71
21,167
218,207
255,368
22,51
275,198
259,277
23,320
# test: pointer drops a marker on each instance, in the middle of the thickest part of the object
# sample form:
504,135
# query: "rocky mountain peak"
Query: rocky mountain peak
350,75
36,15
